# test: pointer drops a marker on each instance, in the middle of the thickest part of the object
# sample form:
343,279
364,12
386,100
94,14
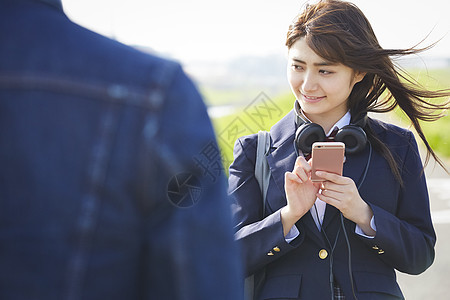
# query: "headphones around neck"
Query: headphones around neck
352,135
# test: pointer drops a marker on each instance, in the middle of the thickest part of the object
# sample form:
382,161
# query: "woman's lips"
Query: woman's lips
312,99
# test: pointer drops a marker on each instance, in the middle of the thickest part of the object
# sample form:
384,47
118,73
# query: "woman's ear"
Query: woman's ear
358,76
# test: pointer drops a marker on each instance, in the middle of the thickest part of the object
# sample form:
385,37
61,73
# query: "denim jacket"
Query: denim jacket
94,139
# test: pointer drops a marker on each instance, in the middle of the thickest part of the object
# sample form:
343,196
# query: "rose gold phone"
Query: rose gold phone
327,156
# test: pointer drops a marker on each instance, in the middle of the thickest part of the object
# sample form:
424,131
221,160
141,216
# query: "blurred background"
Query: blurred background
234,50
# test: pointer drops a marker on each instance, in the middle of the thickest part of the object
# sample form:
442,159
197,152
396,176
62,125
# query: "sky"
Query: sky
216,31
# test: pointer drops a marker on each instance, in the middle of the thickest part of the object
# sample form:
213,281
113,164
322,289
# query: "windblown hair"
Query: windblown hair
339,32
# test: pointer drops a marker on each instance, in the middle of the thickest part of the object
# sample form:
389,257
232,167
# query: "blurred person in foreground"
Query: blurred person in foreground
94,136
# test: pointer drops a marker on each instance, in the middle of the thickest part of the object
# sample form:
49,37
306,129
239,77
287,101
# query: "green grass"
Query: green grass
244,122
226,96
438,132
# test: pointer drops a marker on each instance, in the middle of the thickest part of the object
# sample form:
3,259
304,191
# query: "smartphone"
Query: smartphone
327,156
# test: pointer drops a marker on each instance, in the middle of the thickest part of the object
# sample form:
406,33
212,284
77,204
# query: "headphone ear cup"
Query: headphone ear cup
307,134
353,137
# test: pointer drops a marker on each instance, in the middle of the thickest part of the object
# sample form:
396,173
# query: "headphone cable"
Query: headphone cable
349,248
331,250
350,268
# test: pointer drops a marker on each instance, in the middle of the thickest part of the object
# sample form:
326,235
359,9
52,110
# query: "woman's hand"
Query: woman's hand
342,193
300,193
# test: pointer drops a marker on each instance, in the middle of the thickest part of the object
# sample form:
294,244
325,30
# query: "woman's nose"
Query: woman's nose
309,83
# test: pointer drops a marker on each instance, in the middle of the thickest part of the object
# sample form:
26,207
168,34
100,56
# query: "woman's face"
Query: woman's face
321,87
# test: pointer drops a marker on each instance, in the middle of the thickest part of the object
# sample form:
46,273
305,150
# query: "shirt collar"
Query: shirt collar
344,121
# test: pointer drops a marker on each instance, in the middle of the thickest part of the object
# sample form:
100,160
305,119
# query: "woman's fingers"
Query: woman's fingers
338,179
289,176
301,162
302,169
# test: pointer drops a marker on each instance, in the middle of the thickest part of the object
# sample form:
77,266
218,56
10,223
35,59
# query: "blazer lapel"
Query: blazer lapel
282,155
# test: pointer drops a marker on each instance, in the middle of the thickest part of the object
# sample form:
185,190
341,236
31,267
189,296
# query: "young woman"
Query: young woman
342,238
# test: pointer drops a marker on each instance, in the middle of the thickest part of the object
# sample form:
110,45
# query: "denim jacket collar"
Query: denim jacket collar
55,3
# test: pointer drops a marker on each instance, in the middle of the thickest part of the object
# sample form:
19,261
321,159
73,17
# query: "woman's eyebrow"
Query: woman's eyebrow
317,64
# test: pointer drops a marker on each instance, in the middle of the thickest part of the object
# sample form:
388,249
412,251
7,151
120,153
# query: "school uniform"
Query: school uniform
300,269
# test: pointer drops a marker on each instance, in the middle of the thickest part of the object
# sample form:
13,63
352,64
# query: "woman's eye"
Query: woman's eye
296,67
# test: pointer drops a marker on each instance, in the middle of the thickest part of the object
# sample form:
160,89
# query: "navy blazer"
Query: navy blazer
404,240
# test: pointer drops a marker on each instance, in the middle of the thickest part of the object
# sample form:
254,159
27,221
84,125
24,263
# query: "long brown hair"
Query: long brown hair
339,32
